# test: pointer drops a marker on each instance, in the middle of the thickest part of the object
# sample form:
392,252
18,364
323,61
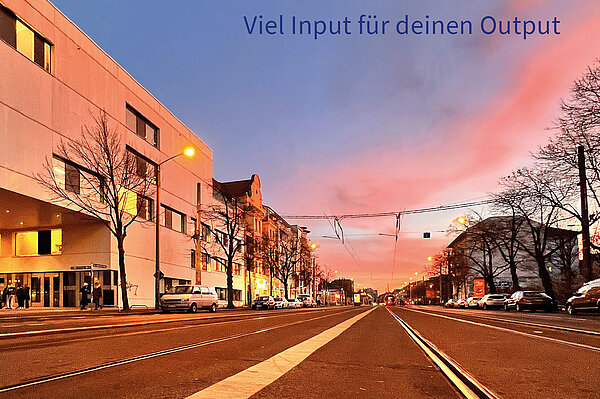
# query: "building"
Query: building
483,250
219,224
54,80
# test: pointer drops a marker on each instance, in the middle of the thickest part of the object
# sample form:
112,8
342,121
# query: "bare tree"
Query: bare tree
282,254
104,179
536,195
227,229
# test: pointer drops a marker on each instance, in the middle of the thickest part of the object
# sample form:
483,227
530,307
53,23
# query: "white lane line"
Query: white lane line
159,353
105,326
527,323
594,348
248,382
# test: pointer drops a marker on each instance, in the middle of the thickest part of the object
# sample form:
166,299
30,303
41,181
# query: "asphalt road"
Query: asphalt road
339,352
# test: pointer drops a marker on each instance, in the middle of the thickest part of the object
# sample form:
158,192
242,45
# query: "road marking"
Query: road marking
136,324
526,323
248,382
462,380
157,354
594,348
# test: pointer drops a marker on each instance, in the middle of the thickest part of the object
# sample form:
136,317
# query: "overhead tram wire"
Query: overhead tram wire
439,208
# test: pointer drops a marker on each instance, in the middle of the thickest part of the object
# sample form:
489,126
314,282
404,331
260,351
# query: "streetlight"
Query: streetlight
188,152
461,220
313,246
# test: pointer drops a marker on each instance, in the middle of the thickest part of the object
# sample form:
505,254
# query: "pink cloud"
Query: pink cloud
467,156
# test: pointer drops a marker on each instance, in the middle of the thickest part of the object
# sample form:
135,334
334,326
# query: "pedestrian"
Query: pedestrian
10,295
4,296
27,295
84,296
97,295
20,292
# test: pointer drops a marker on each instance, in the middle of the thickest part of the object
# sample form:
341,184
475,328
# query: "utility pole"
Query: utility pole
586,268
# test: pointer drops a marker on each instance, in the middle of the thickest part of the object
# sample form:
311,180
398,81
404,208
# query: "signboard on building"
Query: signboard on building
81,267
478,287
430,293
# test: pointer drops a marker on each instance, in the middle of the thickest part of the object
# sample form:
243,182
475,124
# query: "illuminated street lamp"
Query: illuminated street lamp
188,152
313,246
461,220
429,258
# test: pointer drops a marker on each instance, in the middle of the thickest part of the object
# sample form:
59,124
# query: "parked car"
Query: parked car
472,301
189,298
294,303
307,301
264,302
280,303
461,304
587,298
450,303
531,300
490,301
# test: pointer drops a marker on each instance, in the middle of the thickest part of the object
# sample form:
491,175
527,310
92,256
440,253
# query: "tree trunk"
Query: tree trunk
545,276
285,287
514,276
121,248
489,279
230,304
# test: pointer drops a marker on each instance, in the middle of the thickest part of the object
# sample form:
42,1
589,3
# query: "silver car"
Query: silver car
490,301
294,303
189,298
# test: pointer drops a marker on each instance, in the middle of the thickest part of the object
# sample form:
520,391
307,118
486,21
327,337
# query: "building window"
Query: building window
141,126
24,39
194,223
66,176
205,232
205,262
43,242
193,258
172,219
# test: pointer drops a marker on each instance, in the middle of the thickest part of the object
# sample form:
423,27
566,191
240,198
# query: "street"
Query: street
339,352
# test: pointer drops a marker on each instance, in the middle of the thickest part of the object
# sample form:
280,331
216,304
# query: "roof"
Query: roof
553,231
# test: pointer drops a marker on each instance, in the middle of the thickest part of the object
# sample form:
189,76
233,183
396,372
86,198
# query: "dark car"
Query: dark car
532,300
587,298
264,302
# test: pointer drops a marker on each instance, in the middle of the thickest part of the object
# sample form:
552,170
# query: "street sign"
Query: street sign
99,266
81,268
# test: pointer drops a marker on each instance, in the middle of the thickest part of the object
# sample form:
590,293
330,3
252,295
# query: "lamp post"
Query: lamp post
188,152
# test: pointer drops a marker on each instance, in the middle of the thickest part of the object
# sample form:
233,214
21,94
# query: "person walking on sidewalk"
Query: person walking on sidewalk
84,296
20,296
27,295
97,295
4,297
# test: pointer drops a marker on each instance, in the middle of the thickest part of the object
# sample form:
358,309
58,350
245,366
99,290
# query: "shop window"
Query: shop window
24,39
44,242
141,126
35,289
106,277
69,279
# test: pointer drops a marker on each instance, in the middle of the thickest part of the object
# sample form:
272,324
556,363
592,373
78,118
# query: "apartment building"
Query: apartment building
53,81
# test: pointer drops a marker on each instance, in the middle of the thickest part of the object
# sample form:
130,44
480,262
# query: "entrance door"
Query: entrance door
47,292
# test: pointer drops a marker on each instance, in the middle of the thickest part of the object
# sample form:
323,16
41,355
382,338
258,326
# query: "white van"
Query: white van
189,298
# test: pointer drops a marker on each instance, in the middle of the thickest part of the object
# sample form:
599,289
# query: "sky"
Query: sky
355,123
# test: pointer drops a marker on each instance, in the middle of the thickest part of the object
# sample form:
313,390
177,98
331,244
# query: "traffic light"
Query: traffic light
427,234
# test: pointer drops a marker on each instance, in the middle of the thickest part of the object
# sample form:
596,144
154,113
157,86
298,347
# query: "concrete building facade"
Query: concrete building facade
53,81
